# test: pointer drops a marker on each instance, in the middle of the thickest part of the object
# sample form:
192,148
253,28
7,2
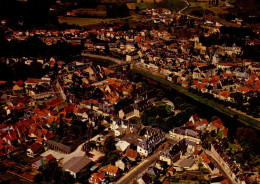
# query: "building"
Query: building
174,153
34,149
223,159
145,147
76,164
185,133
97,178
58,146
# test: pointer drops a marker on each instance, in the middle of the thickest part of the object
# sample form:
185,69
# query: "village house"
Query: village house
185,133
18,87
124,164
111,170
39,163
34,149
97,178
126,112
145,147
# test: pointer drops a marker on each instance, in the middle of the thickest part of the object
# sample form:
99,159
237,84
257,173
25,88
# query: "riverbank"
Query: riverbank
205,101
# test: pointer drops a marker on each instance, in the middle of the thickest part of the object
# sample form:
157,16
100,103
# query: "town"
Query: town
171,98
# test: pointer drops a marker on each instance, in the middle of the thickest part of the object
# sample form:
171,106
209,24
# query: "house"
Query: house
144,179
209,164
124,164
145,147
111,170
204,72
18,87
97,178
57,146
186,133
76,164
187,163
32,82
131,137
38,164
170,172
34,149
139,107
216,125
174,153
122,145
126,112
131,154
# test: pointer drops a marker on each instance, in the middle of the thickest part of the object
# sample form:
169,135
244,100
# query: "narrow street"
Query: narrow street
139,169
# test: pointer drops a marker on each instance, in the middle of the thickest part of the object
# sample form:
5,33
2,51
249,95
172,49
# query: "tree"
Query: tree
54,128
109,145
178,101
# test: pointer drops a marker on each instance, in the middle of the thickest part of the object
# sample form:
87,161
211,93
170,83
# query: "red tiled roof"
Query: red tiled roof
54,102
217,123
32,80
112,169
20,83
244,89
50,157
97,177
225,132
205,158
203,122
224,94
226,181
35,147
131,153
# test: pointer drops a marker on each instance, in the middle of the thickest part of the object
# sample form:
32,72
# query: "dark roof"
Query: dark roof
142,105
62,147
146,178
128,109
75,164
209,67
130,138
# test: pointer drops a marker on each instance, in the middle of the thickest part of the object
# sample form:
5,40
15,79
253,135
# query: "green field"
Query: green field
220,108
205,5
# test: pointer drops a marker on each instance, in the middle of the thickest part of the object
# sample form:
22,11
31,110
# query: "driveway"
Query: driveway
66,157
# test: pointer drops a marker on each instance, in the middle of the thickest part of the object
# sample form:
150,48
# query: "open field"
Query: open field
80,21
205,5
211,103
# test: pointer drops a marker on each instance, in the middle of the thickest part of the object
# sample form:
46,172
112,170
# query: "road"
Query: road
138,169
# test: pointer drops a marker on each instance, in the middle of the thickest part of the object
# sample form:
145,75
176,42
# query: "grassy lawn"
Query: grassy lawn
221,108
